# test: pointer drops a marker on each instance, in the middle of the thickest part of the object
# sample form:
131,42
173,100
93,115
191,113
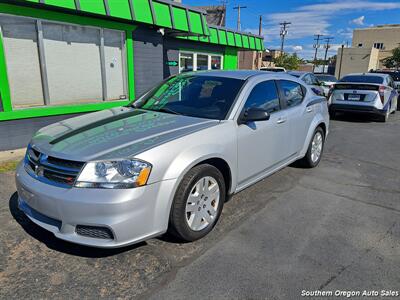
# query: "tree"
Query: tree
394,60
287,61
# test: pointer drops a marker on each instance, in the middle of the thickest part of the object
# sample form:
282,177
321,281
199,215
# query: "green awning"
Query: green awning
178,18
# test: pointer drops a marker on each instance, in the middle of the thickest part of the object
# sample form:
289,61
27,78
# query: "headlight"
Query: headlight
119,174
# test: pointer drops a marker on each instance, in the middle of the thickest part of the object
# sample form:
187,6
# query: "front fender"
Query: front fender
193,156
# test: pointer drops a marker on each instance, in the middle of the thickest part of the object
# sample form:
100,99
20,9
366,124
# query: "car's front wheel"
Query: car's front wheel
197,203
315,149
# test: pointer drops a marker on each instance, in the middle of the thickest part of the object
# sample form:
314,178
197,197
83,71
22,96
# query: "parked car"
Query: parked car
327,81
170,160
309,79
396,80
394,74
365,93
273,69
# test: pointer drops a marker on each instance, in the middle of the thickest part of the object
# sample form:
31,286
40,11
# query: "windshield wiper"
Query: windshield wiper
162,109
168,111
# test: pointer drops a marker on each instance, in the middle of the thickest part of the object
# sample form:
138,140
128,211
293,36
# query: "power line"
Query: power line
283,33
316,46
238,20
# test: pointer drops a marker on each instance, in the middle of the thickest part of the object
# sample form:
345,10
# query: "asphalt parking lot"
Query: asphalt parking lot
333,227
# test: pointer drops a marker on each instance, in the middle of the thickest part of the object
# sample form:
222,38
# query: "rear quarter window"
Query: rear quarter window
292,92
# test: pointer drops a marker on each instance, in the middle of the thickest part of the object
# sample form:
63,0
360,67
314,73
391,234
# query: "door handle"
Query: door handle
309,109
281,121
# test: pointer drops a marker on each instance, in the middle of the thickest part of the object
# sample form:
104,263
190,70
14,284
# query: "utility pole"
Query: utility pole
259,54
224,3
283,33
316,46
327,47
341,59
238,20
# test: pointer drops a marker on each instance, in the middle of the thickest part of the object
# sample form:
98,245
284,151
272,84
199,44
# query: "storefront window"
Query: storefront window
73,63
202,62
114,54
216,62
23,68
186,62
54,63
199,62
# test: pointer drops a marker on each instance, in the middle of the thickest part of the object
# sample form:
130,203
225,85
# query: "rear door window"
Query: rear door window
292,92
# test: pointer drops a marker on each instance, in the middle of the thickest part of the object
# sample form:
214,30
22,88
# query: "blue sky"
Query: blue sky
336,18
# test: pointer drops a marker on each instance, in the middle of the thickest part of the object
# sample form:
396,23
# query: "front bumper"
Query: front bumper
131,215
356,109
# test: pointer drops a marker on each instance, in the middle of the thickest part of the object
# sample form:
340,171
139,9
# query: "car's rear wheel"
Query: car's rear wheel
315,149
197,203
384,118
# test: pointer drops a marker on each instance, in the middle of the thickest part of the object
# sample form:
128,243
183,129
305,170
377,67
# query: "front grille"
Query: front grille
52,170
96,232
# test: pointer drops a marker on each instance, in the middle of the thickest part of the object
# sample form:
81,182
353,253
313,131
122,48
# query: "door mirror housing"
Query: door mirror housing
253,115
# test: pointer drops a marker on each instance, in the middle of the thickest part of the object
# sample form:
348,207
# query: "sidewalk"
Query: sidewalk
12,155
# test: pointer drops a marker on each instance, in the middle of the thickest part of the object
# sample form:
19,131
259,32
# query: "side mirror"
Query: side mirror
253,115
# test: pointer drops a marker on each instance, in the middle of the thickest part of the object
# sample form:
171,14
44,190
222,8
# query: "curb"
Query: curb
12,155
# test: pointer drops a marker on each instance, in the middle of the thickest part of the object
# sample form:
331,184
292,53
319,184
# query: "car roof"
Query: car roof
239,74
298,73
367,74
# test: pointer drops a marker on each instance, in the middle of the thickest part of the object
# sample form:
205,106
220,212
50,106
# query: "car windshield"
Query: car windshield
329,78
363,79
201,96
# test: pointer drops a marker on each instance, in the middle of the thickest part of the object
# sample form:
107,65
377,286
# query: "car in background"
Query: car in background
309,79
370,93
394,74
396,79
273,69
169,160
327,81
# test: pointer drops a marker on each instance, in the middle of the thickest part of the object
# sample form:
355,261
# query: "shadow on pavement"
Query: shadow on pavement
56,244
355,118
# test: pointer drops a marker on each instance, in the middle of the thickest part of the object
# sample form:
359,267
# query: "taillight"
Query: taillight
331,87
382,89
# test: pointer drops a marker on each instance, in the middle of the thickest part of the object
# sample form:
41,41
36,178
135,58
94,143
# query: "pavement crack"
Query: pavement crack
333,277
364,186
351,198
366,251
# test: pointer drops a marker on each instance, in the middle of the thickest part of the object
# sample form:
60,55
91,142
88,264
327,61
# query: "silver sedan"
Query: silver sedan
169,161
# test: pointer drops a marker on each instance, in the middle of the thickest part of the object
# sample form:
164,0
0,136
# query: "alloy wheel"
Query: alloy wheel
316,147
202,204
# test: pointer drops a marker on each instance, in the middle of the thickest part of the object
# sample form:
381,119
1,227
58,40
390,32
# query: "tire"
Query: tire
384,118
195,211
309,160
332,114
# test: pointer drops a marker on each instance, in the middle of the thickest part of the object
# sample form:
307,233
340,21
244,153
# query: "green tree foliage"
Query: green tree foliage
288,61
394,60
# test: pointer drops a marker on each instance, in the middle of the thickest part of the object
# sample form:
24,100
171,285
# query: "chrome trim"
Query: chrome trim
42,165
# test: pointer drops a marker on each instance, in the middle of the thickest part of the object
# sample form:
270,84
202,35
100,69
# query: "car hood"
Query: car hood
114,133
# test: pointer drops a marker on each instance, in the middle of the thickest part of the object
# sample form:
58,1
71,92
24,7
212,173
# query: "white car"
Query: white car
273,69
309,79
327,81
368,93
